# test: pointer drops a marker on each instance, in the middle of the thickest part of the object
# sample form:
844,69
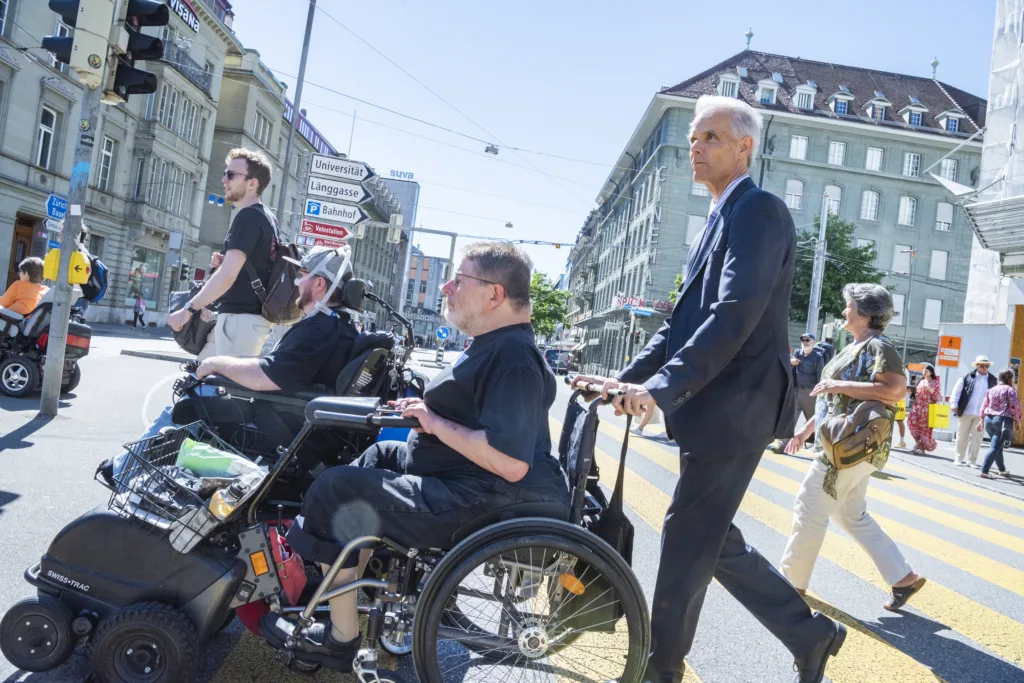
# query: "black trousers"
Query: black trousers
700,542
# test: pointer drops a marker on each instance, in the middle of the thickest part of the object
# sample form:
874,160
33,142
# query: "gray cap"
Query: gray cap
326,261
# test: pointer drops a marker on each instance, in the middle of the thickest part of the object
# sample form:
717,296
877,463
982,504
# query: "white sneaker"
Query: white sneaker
959,463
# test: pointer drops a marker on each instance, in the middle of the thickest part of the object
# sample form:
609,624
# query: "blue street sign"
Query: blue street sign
56,207
312,208
442,333
53,244
643,312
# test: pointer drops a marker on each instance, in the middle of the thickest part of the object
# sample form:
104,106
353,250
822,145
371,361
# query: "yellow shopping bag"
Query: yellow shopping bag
938,416
901,410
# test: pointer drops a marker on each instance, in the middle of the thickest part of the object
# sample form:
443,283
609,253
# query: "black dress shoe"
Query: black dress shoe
313,644
810,668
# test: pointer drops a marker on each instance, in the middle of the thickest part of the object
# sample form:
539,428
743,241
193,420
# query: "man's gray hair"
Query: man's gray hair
746,121
505,264
873,302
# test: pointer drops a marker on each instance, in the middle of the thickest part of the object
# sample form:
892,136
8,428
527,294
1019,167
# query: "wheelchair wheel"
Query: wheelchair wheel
528,598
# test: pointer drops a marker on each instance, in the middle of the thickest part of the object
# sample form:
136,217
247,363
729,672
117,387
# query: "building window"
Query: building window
874,159
953,125
3,15
862,243
794,193
836,153
944,217
106,164
766,95
869,206
798,147
44,138
694,227
835,197
171,110
96,245
912,164
937,270
897,309
842,107
728,87
805,100
699,190
140,169
901,258
161,109
948,169
908,210
932,314
878,112
144,277
61,30
916,118
262,130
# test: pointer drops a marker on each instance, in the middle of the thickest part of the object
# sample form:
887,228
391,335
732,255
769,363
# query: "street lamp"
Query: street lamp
910,291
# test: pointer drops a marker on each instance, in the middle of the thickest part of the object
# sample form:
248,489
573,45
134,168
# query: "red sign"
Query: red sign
635,301
334,232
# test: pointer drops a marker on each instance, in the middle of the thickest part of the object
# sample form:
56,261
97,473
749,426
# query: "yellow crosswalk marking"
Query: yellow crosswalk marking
985,626
952,521
955,485
863,656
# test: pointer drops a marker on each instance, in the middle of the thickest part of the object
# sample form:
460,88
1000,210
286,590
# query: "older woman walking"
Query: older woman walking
870,369
926,393
1001,411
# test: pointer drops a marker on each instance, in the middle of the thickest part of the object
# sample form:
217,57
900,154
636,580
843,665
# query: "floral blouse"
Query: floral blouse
855,363
1002,401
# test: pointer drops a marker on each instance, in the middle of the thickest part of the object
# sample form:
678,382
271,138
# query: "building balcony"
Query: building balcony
188,67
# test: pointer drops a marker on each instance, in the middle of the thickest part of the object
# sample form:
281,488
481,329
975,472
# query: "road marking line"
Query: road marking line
990,629
863,655
955,484
950,520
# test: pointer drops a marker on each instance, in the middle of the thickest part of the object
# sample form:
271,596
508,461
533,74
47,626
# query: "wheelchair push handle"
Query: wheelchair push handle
590,388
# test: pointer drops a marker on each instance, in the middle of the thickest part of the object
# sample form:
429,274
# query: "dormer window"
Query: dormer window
803,95
766,91
950,120
842,107
915,118
914,112
840,101
729,85
878,107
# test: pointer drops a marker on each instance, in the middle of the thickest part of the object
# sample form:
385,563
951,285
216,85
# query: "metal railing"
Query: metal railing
188,67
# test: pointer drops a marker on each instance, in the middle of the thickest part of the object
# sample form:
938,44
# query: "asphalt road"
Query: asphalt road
968,540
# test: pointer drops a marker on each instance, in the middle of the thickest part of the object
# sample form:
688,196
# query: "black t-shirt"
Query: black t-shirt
252,232
312,351
500,385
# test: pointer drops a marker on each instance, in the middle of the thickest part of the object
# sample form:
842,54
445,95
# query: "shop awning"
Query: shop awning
999,225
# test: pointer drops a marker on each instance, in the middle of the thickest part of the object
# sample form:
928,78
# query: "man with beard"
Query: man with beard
241,328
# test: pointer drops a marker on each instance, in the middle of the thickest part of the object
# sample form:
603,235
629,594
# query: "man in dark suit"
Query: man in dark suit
719,370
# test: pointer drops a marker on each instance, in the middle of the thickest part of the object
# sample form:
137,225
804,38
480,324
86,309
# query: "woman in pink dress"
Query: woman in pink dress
926,393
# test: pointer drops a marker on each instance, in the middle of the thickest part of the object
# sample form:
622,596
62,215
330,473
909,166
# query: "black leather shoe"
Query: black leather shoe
313,644
810,668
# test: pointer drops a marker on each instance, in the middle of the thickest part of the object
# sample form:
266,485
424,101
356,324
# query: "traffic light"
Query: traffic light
184,272
440,305
85,52
123,79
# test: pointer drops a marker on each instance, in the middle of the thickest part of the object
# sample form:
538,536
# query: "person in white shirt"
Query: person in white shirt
966,400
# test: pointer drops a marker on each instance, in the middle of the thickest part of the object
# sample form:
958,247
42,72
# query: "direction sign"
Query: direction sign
336,189
343,169
56,207
442,333
949,351
643,312
53,225
332,211
314,241
335,232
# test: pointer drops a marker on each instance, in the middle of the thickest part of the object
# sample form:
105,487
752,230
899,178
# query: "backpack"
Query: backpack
96,288
279,295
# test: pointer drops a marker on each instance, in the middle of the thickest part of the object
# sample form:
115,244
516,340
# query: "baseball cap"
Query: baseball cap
333,264
808,335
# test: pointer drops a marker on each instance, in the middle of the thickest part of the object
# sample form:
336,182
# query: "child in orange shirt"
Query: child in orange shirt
23,296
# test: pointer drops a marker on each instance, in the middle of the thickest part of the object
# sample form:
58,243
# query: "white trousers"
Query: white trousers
236,334
968,438
812,511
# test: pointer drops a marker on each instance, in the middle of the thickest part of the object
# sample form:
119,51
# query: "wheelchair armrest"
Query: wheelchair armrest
296,398
342,411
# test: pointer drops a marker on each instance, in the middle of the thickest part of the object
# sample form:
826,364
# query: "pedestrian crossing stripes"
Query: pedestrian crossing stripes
866,652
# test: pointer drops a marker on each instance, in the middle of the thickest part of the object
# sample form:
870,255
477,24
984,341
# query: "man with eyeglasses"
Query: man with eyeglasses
483,445
241,329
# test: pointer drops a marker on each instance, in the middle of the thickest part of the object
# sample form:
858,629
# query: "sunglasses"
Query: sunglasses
230,175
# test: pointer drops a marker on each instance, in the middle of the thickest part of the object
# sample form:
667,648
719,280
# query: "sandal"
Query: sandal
986,475
902,594
1005,473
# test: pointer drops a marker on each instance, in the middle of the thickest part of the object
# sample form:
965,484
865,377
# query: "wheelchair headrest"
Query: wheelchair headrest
362,376
352,294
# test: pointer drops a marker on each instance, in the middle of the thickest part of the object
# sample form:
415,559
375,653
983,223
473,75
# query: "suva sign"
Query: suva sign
402,175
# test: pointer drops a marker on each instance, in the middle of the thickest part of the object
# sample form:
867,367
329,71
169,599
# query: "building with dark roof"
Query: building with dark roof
868,141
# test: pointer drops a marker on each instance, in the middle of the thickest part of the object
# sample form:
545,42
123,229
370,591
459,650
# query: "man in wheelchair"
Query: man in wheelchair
483,444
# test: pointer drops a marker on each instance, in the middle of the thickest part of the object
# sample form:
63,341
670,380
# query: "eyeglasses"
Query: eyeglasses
230,175
458,280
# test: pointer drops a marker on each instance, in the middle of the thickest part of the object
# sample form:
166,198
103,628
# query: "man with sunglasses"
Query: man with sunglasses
241,329
968,395
483,445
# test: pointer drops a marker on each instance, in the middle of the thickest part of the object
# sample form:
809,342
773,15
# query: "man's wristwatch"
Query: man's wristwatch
190,309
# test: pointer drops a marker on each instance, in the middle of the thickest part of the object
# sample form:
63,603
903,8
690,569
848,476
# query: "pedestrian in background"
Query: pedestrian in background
927,392
870,369
827,349
968,396
1002,414
140,312
807,363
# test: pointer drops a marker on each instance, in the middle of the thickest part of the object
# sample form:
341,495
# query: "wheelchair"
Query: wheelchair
527,591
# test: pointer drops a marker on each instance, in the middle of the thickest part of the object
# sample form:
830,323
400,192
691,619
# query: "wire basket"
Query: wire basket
151,490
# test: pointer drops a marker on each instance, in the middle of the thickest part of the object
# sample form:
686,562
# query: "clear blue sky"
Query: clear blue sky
568,78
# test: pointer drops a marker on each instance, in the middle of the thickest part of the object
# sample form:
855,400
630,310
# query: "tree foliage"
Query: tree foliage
549,305
674,294
845,263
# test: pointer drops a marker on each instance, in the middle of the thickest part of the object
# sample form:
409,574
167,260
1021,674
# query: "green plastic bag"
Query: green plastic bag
206,461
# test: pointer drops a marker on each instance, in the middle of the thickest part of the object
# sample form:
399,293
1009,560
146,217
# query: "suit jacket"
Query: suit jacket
719,367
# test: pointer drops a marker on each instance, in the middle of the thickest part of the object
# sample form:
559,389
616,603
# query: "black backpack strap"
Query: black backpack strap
616,501
254,278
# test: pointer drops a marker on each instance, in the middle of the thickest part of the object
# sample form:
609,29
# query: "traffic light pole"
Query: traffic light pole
295,113
54,366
